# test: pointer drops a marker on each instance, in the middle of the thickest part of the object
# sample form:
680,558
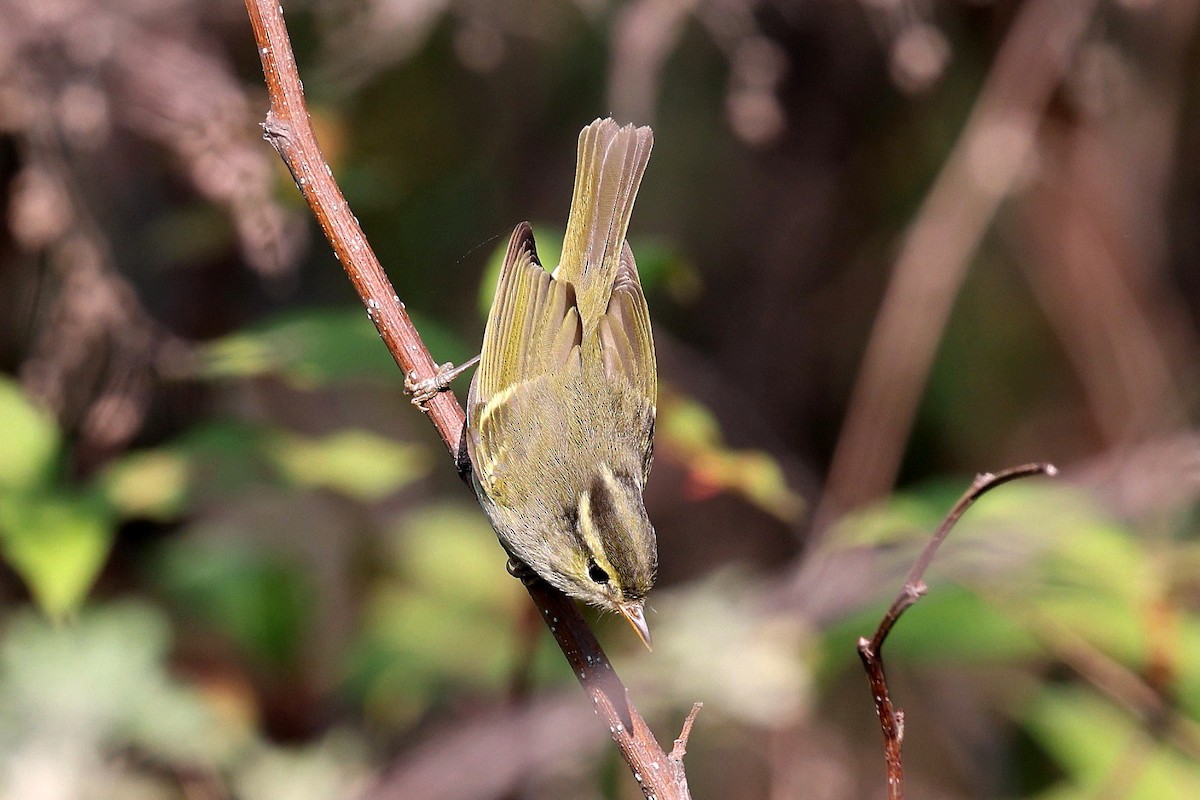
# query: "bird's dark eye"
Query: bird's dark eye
596,572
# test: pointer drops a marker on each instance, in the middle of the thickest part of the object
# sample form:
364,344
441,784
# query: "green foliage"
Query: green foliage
315,348
29,440
1044,578
54,535
147,484
353,462
226,459
57,542
952,624
1100,746
444,585
252,594
74,691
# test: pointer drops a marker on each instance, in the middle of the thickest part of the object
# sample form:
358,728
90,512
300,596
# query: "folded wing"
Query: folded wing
533,332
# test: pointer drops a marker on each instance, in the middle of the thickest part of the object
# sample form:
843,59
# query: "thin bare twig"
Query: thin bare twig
290,132
891,719
679,750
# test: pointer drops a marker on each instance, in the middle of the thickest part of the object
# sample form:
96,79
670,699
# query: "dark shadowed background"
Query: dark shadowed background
887,244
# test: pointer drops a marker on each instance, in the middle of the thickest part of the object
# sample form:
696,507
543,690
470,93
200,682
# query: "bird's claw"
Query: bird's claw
521,571
424,390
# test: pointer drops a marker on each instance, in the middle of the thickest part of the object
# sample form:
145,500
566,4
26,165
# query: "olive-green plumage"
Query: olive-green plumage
560,417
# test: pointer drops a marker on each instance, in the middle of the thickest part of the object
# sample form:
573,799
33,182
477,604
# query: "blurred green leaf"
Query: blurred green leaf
661,264
903,518
315,348
99,683
1186,640
223,460
447,585
215,461
950,624
690,433
57,543
356,463
450,549
308,348
1091,575
261,600
1100,746
29,440
148,484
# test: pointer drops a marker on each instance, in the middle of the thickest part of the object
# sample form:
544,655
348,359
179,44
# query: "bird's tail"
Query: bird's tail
609,170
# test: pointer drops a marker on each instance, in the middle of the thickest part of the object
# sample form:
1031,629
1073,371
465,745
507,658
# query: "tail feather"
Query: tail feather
608,173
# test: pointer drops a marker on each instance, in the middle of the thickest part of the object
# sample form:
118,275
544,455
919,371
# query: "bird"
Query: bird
562,406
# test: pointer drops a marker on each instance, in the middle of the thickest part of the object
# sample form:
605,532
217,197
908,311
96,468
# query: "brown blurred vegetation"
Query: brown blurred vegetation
887,244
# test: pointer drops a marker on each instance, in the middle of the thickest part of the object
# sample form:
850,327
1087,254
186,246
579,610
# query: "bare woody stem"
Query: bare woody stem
891,719
290,132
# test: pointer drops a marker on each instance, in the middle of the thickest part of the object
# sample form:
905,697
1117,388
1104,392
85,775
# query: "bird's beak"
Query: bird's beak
634,613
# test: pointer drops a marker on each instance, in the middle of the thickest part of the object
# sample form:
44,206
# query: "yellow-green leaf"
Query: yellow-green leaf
57,544
150,485
29,439
354,462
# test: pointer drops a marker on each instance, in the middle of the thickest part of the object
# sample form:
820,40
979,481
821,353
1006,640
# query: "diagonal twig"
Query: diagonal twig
891,719
290,132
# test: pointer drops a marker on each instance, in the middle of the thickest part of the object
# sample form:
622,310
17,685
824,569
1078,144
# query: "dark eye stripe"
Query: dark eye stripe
571,518
603,505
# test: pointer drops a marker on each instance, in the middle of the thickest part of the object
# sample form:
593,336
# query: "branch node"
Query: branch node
864,649
276,128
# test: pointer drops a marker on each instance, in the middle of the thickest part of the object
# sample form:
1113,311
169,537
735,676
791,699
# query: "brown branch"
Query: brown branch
658,774
891,719
679,750
290,132
982,169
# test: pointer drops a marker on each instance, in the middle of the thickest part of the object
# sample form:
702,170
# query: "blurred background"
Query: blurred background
887,244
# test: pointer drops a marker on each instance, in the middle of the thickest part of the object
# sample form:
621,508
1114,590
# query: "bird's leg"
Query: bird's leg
425,390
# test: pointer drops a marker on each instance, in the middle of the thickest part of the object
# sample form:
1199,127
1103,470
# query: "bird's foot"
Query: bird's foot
423,391
521,571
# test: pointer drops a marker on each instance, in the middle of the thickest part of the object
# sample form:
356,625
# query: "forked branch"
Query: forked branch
891,719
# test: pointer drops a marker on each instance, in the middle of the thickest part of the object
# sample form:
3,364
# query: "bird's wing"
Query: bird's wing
627,348
533,332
